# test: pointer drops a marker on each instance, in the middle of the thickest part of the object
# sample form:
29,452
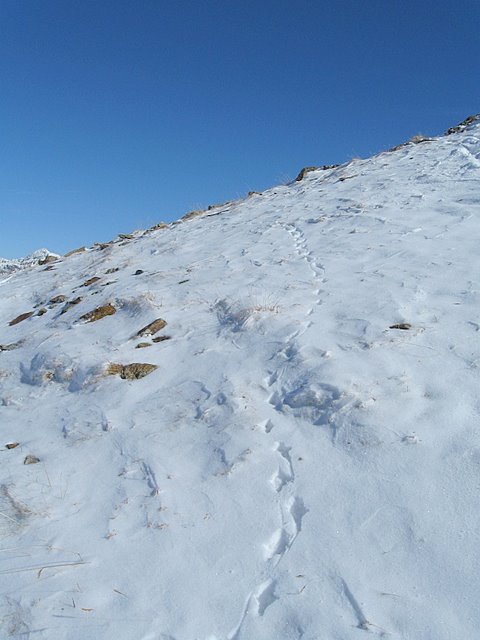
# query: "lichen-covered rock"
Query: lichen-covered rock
152,328
143,345
20,318
31,459
57,299
133,371
99,313
41,311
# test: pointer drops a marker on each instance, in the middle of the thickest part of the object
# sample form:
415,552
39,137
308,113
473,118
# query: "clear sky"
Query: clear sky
117,114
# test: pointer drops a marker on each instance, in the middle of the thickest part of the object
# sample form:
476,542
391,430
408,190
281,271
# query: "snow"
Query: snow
294,468
9,266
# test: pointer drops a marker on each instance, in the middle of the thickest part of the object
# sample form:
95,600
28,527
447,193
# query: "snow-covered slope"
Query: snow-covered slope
298,465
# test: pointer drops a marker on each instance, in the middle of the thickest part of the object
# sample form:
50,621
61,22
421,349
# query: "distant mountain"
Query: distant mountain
257,423
9,266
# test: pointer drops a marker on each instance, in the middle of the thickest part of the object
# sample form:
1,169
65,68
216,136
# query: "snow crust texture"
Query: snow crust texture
301,460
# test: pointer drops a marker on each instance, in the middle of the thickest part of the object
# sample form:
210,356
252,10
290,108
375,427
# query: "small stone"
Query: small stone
404,326
31,460
41,311
138,272
112,270
70,303
90,281
20,318
143,345
133,371
12,445
10,347
99,313
161,338
152,328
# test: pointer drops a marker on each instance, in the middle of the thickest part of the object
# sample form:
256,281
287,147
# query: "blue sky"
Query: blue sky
115,115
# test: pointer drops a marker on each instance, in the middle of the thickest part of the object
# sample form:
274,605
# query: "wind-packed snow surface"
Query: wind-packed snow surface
294,468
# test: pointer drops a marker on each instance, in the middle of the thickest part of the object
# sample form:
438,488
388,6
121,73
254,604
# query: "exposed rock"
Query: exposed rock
100,246
138,272
10,347
143,345
133,371
193,214
99,313
74,251
57,299
401,325
41,311
20,318
161,338
112,270
463,125
47,260
70,303
304,172
90,281
12,445
160,225
31,460
183,281
254,193
152,328
125,236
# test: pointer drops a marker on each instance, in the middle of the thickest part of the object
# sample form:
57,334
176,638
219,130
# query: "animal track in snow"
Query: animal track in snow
285,473
282,539
264,596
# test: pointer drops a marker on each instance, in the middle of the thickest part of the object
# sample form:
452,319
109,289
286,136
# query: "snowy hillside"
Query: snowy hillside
40,256
303,459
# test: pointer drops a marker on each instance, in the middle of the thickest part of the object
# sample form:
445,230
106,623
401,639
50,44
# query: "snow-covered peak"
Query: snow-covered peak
16,264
